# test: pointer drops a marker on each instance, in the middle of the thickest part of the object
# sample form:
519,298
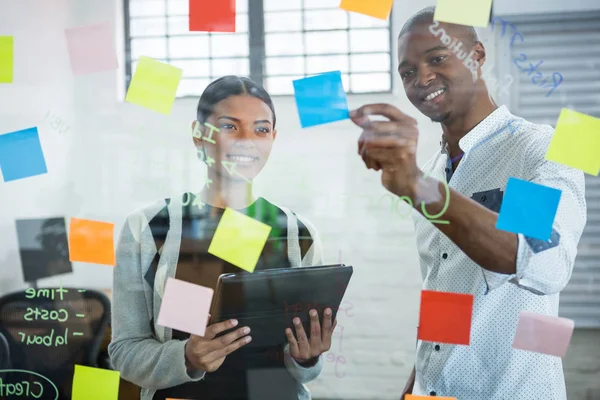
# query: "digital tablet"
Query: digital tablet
268,300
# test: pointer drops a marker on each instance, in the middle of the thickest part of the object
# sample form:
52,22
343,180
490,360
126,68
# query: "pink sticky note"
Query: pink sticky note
91,48
185,307
543,333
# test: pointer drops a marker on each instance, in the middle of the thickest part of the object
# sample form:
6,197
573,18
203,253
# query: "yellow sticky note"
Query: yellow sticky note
239,239
464,12
7,55
95,384
373,8
154,85
576,142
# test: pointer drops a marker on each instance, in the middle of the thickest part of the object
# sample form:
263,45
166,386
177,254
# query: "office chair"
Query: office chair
4,357
49,336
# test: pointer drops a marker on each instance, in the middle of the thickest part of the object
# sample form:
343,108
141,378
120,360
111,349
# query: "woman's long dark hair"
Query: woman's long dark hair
226,86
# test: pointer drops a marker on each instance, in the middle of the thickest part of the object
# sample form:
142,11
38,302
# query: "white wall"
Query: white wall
118,157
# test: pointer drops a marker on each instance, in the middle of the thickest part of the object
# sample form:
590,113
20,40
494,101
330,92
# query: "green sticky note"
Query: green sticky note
239,239
6,59
464,12
154,85
576,142
95,384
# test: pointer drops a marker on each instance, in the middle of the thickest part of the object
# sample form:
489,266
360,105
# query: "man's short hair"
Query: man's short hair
426,15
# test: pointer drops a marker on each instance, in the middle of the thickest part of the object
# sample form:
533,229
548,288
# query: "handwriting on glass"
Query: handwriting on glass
25,388
60,315
455,45
57,123
523,57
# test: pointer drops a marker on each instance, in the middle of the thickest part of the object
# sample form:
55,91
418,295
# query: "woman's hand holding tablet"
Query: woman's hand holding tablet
305,350
207,353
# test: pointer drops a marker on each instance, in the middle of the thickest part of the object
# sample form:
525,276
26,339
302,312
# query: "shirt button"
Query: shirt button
432,393
445,255
437,347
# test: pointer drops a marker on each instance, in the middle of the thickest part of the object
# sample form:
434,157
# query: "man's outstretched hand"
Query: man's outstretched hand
390,146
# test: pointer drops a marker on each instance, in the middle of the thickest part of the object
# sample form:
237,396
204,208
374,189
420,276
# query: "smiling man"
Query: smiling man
482,146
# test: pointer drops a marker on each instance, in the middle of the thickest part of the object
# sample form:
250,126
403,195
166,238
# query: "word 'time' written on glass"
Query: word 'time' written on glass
55,337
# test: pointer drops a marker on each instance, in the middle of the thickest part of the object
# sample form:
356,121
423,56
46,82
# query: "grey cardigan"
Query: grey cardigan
157,362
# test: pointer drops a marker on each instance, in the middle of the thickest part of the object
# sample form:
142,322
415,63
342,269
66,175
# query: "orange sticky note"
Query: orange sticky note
91,241
411,397
212,15
373,8
445,317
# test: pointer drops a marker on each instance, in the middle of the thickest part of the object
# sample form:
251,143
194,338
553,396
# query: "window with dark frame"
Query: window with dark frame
275,42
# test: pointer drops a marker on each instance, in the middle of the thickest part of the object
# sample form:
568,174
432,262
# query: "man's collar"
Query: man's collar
497,119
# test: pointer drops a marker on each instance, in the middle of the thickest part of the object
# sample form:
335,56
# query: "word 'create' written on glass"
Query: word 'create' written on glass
54,337
25,388
228,165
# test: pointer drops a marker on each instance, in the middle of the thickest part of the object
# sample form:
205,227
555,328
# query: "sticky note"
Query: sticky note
463,12
95,384
321,99
373,8
543,333
185,307
212,15
21,155
528,208
91,241
576,142
7,58
154,85
413,397
239,239
445,317
91,48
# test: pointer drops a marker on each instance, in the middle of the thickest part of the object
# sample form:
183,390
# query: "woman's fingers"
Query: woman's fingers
294,350
303,345
315,331
328,328
214,329
223,352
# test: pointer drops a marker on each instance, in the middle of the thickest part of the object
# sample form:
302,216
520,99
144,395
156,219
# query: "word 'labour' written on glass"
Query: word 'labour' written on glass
25,388
60,315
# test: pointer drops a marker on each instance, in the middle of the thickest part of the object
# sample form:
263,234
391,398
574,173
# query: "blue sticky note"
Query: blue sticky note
528,208
21,155
321,99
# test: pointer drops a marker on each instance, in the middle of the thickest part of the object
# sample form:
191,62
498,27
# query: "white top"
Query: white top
489,368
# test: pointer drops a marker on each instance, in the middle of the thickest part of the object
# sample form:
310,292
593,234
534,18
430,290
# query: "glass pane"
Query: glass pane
241,6
178,7
229,44
283,21
179,26
229,66
147,27
370,62
369,40
192,87
134,64
193,68
281,85
188,46
283,44
364,21
326,42
325,20
312,4
241,23
155,48
365,83
318,64
145,8
278,5
284,65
